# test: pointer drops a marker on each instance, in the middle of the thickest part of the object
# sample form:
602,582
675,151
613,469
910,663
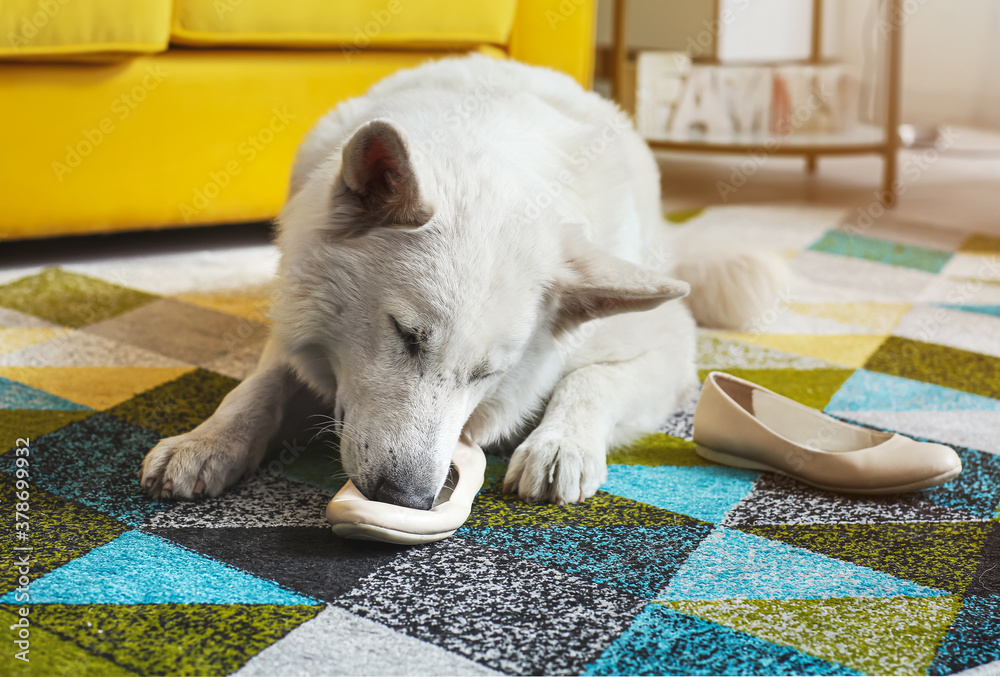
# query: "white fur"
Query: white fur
542,233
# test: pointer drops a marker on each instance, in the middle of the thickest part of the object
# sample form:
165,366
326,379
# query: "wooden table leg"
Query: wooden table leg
891,153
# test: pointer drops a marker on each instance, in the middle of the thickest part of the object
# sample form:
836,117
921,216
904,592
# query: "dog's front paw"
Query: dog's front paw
555,468
192,466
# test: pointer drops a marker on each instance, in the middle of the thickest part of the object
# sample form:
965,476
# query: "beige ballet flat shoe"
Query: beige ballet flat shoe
741,424
354,516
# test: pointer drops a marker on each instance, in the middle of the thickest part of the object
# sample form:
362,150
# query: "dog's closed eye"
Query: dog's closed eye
412,339
480,371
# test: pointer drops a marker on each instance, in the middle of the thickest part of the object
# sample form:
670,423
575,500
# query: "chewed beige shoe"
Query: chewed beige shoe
354,516
741,424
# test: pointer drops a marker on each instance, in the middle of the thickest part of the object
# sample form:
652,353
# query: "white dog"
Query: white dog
474,246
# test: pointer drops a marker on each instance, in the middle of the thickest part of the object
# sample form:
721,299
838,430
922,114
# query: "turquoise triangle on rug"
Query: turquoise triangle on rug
730,564
138,568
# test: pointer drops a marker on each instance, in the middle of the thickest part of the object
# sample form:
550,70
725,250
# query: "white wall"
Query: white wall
765,30
950,57
951,48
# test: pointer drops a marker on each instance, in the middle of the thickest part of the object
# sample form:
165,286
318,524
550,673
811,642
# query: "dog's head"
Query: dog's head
414,292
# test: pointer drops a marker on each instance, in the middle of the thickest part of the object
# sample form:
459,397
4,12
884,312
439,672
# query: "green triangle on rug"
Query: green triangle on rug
139,568
173,639
176,406
897,635
811,387
656,449
32,423
495,509
70,299
942,555
50,654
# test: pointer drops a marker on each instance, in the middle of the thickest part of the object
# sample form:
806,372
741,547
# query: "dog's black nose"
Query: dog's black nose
390,492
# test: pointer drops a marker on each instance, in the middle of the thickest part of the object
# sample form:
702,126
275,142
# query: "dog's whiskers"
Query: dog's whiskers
340,428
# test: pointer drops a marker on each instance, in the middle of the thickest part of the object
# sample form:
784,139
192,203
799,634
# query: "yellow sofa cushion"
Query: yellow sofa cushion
59,28
345,23
180,138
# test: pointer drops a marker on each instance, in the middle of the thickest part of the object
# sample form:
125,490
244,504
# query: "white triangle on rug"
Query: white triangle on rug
201,272
781,226
968,291
822,277
337,642
974,429
14,318
83,349
976,332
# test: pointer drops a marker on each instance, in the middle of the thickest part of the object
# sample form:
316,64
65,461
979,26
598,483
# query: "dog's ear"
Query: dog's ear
378,180
598,285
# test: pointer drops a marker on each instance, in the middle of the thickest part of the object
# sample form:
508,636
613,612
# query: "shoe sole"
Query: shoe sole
371,532
741,462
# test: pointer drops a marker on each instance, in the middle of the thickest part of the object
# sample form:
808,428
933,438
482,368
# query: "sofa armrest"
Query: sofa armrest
558,34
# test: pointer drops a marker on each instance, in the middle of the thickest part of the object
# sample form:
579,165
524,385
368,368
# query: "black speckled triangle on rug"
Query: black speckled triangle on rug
309,560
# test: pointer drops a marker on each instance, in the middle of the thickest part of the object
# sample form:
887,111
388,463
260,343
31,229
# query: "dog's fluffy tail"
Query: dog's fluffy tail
732,286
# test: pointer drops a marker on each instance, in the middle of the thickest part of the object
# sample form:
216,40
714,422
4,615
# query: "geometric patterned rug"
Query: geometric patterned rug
678,566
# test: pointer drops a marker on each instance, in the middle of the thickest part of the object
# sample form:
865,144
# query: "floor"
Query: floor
958,189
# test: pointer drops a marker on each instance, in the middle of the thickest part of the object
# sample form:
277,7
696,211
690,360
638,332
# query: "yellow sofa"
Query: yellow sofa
132,114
